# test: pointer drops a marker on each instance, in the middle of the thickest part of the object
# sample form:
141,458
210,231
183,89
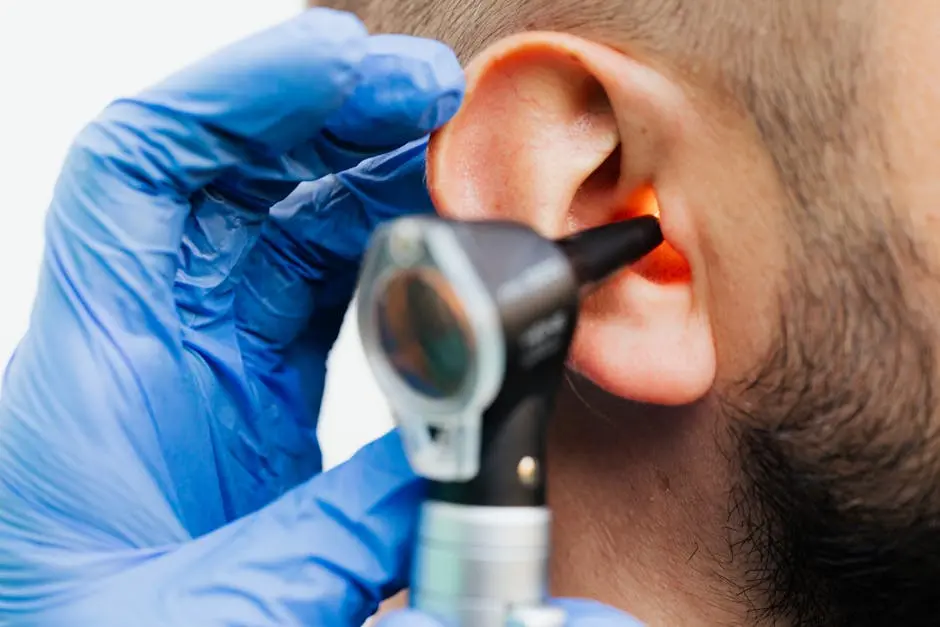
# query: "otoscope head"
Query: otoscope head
467,327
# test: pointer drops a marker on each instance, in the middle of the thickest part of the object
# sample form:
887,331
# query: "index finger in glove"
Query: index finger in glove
260,108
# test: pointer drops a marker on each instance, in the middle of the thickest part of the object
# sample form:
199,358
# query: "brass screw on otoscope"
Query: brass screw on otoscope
528,470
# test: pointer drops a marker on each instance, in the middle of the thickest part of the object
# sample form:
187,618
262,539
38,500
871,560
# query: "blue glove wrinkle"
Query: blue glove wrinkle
291,429
320,231
267,325
348,207
89,298
113,263
289,388
270,178
215,244
301,228
153,150
100,343
254,195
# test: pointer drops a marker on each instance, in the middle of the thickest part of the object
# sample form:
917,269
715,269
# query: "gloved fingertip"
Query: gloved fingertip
408,87
408,618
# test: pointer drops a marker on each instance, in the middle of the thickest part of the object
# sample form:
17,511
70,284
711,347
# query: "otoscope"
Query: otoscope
467,327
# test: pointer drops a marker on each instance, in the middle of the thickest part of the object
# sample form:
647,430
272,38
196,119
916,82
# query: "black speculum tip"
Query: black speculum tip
597,253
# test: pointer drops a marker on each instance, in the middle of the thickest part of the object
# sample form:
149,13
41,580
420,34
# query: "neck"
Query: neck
640,497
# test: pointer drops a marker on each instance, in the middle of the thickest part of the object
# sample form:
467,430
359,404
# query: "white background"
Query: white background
62,61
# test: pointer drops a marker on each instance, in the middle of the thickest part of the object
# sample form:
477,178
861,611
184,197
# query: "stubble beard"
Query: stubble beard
836,517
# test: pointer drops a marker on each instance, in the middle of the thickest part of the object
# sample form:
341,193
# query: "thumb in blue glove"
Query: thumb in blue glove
326,553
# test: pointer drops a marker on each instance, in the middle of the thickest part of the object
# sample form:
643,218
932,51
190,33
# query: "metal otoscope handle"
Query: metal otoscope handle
484,566
467,327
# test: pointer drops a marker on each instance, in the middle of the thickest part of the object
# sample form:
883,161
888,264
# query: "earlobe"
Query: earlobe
565,134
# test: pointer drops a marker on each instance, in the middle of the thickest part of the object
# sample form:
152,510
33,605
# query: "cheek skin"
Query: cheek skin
736,209
908,88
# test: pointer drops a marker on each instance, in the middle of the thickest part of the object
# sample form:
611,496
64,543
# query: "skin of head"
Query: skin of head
750,432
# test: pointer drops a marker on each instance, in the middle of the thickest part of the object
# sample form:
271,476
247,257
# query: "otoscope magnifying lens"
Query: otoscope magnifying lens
424,333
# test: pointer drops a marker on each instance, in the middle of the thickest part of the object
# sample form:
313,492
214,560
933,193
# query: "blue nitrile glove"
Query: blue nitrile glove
158,421
579,613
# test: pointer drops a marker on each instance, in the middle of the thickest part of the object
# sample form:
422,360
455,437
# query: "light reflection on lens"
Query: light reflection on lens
424,333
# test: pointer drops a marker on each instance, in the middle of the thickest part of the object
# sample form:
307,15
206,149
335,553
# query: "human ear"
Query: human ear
565,134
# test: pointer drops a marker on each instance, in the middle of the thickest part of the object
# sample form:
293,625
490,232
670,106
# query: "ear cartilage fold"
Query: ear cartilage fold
597,253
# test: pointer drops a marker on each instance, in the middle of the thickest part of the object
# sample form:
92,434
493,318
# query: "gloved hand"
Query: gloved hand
579,613
158,421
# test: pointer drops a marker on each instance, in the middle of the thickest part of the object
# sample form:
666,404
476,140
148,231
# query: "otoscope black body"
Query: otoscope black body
467,326
537,283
